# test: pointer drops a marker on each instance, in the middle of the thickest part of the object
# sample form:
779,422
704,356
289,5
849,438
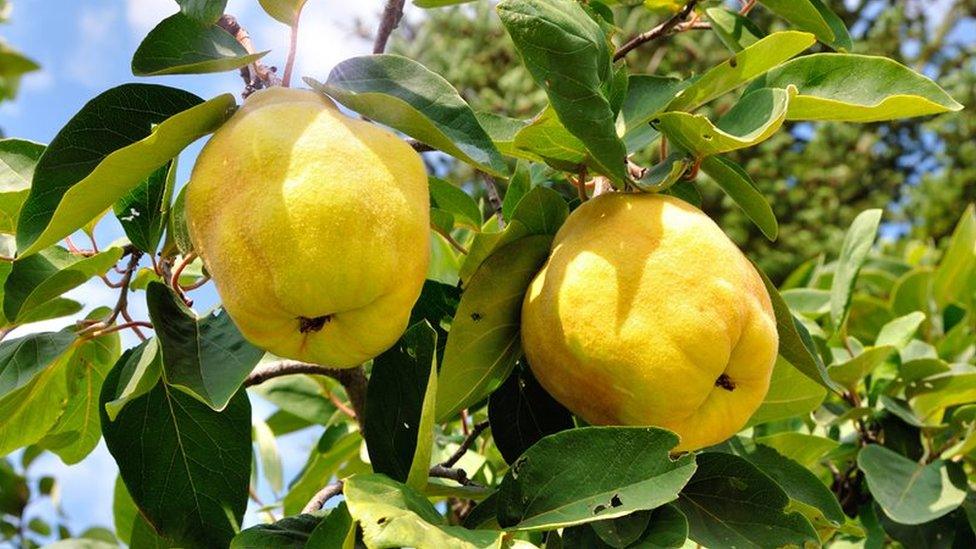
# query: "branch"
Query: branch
456,456
457,475
418,146
392,14
256,76
657,32
325,494
494,198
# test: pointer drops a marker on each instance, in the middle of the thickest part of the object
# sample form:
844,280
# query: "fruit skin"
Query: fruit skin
642,308
313,225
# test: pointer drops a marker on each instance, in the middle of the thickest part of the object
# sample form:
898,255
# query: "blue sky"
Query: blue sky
85,48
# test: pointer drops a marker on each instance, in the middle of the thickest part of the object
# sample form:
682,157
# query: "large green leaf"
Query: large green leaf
741,68
850,372
800,447
186,466
521,413
910,492
813,16
953,279
756,117
736,31
181,45
885,90
144,210
40,278
546,139
739,186
934,394
287,533
854,251
791,394
394,515
405,95
140,370
484,343
302,396
592,473
452,199
33,386
206,357
569,55
114,142
399,423
18,157
795,344
731,503
79,428
13,65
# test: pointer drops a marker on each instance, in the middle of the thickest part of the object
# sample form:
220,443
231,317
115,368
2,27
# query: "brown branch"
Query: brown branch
255,75
491,187
465,445
325,494
420,146
392,14
657,32
450,239
292,48
457,475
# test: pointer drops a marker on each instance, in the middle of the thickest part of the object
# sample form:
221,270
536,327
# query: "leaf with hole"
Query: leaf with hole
143,211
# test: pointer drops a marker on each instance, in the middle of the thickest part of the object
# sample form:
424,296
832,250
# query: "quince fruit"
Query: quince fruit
313,225
647,314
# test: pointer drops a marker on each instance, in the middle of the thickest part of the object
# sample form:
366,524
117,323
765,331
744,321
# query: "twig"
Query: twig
292,47
457,475
491,187
450,239
119,327
747,6
392,14
138,332
657,32
174,280
199,283
465,445
342,405
420,146
325,494
256,76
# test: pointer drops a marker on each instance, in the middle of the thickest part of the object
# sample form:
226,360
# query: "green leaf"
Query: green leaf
813,16
405,95
521,413
953,279
13,65
399,423
540,212
911,492
729,502
518,186
268,455
795,344
335,530
798,482
756,117
188,468
932,395
143,211
18,157
741,68
452,199
336,447
592,473
287,533
140,369
853,252
807,301
851,372
204,11
131,527
33,386
900,331
886,90
647,95
569,55
545,139
176,227
394,515
286,11
78,430
800,447
37,279
622,531
181,45
114,142
791,394
665,173
483,343
739,186
206,357
735,31
300,395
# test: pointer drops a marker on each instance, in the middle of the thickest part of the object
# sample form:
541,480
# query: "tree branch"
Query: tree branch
657,32
491,186
392,14
256,76
465,445
325,494
457,475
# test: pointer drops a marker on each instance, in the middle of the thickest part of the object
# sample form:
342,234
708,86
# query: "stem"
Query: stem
493,197
353,380
119,327
450,239
292,48
325,494
256,76
138,332
392,14
465,445
655,33
420,146
457,475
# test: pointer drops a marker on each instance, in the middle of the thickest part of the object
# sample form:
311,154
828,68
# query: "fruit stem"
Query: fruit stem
292,48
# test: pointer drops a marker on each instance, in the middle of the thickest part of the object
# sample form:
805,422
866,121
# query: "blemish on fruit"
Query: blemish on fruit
725,382
306,325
